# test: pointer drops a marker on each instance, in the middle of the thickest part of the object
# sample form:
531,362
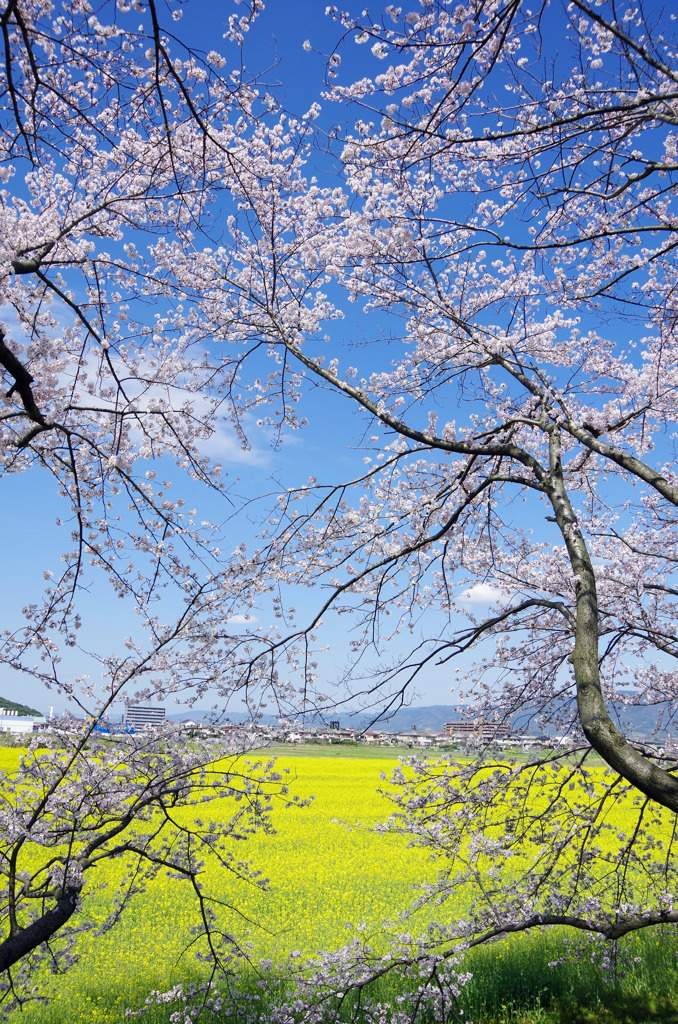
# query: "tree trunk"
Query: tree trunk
598,727
19,945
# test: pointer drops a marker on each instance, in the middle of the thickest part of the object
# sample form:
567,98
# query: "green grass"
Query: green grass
512,984
345,749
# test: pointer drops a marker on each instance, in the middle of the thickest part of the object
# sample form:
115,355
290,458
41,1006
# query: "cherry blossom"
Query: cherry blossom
496,224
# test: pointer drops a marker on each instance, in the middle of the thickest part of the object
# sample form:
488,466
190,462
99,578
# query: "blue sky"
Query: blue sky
29,503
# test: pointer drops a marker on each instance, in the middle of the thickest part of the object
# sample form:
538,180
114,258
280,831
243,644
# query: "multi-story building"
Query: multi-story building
143,716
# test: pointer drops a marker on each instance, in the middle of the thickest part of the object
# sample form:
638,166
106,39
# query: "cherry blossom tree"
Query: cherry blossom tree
110,139
505,220
496,214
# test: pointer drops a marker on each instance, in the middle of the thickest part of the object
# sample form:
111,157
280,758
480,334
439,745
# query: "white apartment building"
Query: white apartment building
143,716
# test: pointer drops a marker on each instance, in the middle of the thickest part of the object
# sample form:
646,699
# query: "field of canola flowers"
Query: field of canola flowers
327,869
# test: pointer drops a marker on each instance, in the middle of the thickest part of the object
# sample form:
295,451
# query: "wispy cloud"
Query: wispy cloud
224,445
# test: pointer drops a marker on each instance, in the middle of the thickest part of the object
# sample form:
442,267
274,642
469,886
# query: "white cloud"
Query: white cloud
241,620
483,593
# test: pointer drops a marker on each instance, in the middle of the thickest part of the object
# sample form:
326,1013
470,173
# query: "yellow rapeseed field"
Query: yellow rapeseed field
328,871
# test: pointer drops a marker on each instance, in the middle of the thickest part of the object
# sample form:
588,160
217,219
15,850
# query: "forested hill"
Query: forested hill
21,709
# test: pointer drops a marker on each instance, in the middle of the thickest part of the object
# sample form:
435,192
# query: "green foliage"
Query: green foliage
21,709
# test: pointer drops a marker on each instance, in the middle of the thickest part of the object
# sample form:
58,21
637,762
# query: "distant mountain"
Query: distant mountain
235,717
420,719
645,722
638,721
428,718
433,718
21,709
651,723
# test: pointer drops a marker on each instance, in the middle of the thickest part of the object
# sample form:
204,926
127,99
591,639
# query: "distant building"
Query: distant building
143,716
486,731
16,724
414,739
